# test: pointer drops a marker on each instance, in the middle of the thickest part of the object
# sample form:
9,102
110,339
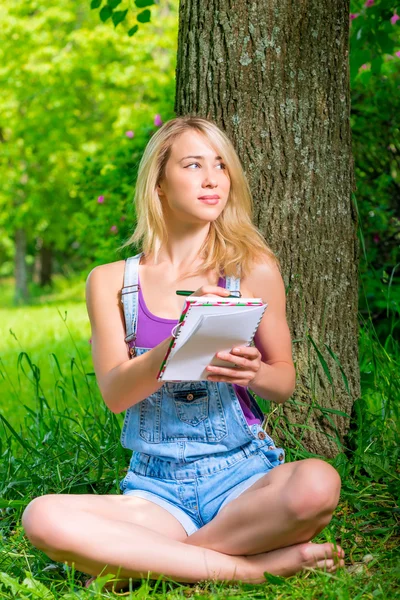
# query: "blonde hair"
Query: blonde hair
233,243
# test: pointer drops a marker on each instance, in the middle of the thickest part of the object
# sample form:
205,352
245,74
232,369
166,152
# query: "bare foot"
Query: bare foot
292,559
284,561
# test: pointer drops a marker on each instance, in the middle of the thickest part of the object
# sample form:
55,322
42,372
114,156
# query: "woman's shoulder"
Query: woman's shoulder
263,276
108,277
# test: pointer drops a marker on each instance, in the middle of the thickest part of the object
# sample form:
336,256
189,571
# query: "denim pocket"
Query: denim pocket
191,406
192,411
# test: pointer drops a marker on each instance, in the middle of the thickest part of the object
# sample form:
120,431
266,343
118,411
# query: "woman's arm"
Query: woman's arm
268,367
276,378
123,382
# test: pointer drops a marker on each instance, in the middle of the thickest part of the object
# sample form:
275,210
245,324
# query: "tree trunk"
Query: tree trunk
274,74
46,265
21,287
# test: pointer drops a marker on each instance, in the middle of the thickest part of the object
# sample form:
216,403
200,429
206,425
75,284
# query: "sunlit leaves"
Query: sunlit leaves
105,13
144,16
108,11
133,30
143,3
119,16
113,3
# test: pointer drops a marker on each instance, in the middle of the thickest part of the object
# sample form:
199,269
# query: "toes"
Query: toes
330,564
325,565
339,551
313,554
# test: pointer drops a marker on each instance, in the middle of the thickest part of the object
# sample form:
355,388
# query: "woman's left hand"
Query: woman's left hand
247,360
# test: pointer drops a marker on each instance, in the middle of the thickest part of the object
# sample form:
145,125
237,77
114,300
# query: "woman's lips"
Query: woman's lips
210,201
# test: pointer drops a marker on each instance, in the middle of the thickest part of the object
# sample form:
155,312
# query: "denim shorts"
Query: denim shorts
195,492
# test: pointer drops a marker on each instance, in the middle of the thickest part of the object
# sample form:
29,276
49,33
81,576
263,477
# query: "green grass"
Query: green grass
56,435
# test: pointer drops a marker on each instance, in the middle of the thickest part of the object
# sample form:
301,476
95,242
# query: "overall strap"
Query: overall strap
129,298
233,283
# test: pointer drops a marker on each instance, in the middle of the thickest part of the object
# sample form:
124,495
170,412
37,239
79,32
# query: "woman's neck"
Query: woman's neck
179,255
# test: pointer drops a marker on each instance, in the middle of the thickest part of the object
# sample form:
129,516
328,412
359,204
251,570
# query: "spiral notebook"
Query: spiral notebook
207,326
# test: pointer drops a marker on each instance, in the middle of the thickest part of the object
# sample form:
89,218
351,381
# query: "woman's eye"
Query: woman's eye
198,165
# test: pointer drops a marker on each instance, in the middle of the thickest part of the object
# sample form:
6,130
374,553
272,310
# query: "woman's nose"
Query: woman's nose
210,177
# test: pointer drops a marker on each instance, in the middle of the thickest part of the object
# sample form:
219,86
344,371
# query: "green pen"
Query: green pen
234,294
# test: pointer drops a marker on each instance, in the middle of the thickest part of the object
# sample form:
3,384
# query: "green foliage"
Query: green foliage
144,3
133,30
105,190
144,16
106,13
118,16
67,98
372,34
375,76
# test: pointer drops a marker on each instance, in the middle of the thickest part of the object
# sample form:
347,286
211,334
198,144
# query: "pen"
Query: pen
234,294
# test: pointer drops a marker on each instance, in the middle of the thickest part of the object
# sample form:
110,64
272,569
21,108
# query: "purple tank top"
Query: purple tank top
152,330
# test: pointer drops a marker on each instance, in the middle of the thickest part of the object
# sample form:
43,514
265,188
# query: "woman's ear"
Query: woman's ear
159,190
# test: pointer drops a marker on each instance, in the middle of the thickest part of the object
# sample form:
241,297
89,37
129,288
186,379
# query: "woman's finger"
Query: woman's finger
243,362
211,290
246,351
238,360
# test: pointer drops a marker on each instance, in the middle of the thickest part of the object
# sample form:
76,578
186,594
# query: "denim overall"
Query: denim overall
193,448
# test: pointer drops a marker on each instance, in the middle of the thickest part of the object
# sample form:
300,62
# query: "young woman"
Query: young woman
207,494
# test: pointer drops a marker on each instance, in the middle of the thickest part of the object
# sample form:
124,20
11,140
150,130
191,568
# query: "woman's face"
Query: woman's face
194,171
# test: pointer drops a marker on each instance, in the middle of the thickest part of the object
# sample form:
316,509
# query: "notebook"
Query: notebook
205,327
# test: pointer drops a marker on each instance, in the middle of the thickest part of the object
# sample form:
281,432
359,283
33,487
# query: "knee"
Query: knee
314,492
41,521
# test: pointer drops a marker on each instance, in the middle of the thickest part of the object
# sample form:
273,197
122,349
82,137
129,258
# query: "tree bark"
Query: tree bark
21,276
274,74
46,265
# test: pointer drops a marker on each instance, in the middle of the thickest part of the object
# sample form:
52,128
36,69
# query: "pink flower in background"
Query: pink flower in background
364,67
394,19
113,229
376,238
100,199
129,134
369,3
157,121
90,341
397,53
354,16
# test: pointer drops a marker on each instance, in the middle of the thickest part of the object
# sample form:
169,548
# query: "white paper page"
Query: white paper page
213,333
196,311
213,299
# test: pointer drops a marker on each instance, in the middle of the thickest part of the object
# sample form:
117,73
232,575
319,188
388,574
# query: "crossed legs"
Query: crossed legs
272,521
265,529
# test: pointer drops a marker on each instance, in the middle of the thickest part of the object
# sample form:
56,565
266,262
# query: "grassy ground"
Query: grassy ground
57,436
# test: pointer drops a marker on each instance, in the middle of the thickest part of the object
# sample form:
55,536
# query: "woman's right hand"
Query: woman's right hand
211,290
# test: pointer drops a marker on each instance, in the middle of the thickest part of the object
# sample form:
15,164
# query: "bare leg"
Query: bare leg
96,543
291,504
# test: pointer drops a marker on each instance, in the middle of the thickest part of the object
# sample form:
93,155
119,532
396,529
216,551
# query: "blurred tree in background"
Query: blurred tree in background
77,95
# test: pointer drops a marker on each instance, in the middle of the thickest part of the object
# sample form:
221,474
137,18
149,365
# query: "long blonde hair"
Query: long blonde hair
233,243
